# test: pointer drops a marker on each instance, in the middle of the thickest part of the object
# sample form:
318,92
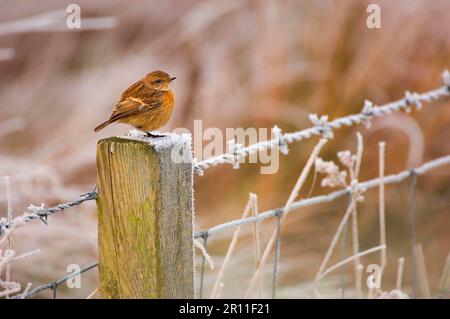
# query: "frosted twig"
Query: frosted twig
359,153
381,206
422,272
413,214
334,178
355,197
350,259
444,277
286,209
220,290
390,179
334,241
277,256
25,291
231,248
401,265
343,256
202,267
257,244
204,253
359,270
323,126
31,253
9,287
10,219
92,294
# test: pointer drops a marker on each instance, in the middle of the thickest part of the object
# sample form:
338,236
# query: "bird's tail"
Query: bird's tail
103,125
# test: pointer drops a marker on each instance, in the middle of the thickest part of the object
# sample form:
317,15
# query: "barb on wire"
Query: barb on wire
389,179
40,212
55,284
325,128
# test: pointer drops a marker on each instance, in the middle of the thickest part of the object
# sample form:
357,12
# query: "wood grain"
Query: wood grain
145,208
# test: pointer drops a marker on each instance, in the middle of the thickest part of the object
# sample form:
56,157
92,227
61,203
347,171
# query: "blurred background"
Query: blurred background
238,64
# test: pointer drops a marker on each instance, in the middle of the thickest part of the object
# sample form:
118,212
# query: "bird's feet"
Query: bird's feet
150,134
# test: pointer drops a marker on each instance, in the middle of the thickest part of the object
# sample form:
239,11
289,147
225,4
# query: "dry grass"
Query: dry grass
238,63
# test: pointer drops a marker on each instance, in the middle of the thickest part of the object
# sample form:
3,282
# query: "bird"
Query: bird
147,104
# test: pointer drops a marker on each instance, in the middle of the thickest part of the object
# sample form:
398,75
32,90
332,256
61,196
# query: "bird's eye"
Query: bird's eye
159,81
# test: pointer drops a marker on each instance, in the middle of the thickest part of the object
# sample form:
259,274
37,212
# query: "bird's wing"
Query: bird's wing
136,99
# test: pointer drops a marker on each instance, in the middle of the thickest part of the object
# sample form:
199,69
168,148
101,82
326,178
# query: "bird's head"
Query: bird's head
159,80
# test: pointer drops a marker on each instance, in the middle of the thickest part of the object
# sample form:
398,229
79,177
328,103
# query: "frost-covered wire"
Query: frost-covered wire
325,128
55,284
41,212
389,179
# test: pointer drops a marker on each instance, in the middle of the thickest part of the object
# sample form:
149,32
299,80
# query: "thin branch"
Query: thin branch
25,291
10,219
204,253
359,271
334,241
220,290
444,277
359,153
350,259
381,207
422,272
31,253
92,294
257,245
401,265
355,196
231,248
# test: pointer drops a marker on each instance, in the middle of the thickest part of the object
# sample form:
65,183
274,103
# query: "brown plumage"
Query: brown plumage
147,104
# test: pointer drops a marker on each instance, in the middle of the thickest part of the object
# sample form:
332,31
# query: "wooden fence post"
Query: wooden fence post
145,212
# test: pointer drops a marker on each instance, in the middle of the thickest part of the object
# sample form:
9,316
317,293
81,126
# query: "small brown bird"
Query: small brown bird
147,104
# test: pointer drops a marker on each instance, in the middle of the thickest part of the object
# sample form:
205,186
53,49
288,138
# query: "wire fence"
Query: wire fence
55,284
205,234
322,127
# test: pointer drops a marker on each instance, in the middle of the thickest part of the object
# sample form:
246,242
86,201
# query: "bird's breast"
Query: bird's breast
169,99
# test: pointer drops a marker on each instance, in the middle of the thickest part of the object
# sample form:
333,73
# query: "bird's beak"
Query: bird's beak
171,79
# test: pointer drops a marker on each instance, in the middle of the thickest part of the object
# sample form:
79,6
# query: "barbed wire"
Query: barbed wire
324,127
42,213
389,179
55,284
